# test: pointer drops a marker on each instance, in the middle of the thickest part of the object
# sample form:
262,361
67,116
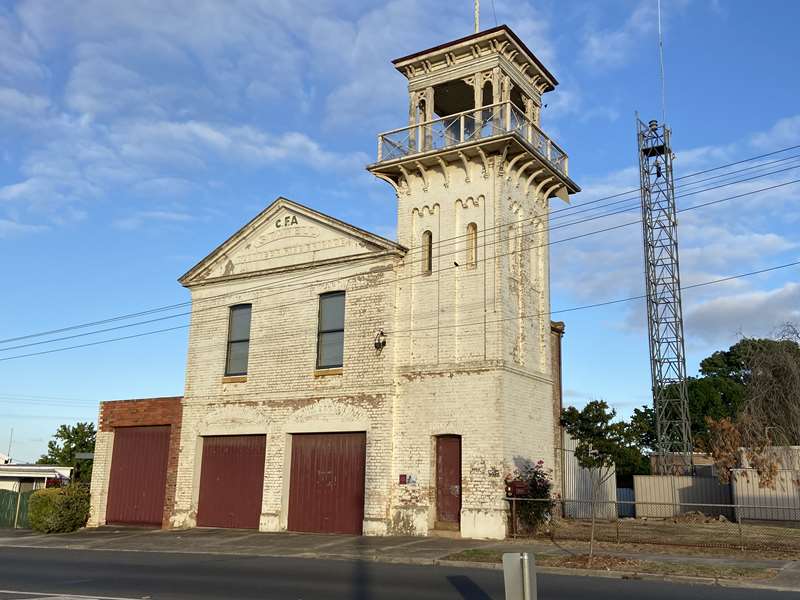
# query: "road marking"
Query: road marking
62,596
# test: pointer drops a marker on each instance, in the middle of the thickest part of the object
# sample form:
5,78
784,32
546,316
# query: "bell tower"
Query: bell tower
474,174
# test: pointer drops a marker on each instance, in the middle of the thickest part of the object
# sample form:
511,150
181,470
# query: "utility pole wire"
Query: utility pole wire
302,285
552,212
526,317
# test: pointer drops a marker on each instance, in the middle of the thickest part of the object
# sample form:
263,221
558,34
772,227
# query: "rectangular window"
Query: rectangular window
238,340
330,332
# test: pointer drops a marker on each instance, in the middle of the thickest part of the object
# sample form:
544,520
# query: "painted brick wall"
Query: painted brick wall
283,393
134,413
476,356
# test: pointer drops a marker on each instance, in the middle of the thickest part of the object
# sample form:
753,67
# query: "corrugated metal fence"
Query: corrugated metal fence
778,502
661,496
578,488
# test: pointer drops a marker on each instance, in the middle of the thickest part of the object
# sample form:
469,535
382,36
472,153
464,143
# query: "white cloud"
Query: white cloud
732,237
616,46
613,47
18,107
141,218
757,313
786,132
10,228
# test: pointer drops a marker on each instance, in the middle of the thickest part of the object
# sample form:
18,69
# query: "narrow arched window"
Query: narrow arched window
427,252
472,245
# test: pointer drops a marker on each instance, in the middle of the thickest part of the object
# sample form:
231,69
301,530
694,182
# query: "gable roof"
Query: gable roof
279,203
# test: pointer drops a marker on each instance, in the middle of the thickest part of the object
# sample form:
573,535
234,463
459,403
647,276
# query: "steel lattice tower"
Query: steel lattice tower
664,314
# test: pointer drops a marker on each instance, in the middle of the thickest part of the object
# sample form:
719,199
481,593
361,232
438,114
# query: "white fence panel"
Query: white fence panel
779,502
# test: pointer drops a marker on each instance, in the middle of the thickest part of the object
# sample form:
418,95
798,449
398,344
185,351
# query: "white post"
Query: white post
19,497
519,575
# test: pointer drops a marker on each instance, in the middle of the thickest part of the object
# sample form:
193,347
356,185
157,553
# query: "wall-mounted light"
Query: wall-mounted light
380,340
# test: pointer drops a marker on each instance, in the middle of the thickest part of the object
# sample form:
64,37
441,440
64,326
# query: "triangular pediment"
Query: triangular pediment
287,235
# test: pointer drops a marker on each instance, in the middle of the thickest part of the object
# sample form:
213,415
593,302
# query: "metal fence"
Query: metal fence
14,508
667,523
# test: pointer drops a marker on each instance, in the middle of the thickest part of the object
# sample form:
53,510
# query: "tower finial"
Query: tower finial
477,15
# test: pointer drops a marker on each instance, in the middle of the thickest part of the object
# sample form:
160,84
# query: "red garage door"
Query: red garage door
327,482
138,475
231,481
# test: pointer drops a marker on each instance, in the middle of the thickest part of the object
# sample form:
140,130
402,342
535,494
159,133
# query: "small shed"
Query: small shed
18,482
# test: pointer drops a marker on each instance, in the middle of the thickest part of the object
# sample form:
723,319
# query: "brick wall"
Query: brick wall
283,393
134,413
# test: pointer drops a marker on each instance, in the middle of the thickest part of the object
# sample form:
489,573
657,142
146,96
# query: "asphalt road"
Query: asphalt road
34,572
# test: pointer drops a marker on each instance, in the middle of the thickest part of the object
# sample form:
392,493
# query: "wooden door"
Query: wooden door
231,481
448,481
138,479
326,491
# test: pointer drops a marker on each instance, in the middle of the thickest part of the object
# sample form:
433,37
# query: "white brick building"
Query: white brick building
399,406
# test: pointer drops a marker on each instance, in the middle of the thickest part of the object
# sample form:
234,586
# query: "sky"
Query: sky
137,136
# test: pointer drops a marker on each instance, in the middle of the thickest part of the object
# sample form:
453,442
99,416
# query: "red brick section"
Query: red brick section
150,411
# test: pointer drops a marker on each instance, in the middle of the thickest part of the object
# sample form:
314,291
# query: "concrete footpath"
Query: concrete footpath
401,550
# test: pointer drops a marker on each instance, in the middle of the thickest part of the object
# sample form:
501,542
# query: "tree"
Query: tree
643,428
601,443
718,393
768,420
67,441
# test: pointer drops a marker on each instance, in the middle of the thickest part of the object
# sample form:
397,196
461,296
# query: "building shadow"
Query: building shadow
468,589
361,582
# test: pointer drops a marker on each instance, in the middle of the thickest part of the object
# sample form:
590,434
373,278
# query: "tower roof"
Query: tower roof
500,39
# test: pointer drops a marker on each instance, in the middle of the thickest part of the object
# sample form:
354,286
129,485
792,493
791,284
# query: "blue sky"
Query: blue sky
139,135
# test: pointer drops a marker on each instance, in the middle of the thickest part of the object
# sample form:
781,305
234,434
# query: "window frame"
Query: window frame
229,341
472,245
427,252
321,332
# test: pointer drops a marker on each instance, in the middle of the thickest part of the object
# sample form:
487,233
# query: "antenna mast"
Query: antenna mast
663,285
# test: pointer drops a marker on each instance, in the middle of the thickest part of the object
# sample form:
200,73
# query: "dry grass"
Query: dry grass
697,532
606,562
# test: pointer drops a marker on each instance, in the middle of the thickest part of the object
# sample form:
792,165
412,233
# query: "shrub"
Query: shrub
59,510
538,486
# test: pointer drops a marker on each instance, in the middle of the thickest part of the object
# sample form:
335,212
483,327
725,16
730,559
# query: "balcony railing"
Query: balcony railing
468,126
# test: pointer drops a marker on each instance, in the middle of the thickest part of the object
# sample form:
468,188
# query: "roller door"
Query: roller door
137,483
231,481
327,482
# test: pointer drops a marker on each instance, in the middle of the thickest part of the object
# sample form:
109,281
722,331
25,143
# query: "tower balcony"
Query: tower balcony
482,125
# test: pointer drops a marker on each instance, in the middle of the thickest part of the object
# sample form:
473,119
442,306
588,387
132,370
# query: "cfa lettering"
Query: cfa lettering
287,220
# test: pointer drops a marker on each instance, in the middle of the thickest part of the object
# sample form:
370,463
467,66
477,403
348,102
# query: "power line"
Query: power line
301,275
710,203
561,311
571,207
497,240
413,275
600,304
